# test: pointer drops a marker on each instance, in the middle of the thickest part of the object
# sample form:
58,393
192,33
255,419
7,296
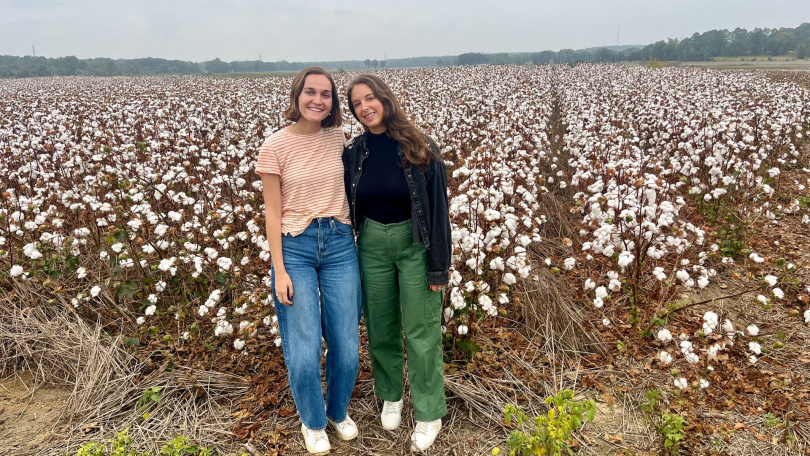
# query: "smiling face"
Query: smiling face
368,108
315,101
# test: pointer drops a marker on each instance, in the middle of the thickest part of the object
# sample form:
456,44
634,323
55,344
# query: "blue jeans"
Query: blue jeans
322,264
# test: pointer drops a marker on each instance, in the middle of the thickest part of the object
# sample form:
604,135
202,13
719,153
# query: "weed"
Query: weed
672,430
550,433
651,400
121,445
772,421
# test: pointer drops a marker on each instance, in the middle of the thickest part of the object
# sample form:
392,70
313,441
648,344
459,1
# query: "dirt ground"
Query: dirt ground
29,415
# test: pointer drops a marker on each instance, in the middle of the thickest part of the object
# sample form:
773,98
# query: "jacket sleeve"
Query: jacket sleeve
440,241
347,178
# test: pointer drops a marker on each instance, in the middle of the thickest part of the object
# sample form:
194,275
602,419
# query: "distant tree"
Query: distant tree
604,55
375,63
217,66
499,59
383,64
439,62
367,62
802,51
472,58
539,58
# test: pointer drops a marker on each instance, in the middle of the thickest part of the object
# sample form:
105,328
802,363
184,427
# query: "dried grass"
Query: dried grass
61,349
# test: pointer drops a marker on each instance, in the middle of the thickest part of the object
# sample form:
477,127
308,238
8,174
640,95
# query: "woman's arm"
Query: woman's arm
271,189
440,240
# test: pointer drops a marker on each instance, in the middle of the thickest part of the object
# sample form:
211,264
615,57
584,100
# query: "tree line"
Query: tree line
699,47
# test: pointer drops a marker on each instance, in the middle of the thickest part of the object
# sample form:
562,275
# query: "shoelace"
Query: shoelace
318,435
393,408
422,427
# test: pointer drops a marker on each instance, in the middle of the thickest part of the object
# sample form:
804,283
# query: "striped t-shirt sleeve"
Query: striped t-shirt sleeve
267,163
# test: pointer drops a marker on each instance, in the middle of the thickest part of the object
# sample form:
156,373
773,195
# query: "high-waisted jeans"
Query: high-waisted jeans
396,297
322,264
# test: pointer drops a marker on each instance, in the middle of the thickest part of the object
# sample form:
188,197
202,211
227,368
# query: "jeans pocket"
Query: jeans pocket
343,228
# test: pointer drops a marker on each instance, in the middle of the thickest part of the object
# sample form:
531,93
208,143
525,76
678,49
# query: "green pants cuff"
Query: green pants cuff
432,416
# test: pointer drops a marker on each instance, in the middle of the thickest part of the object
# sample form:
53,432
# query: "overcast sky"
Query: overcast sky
317,30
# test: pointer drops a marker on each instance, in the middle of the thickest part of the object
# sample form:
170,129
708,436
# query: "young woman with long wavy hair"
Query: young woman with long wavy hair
396,184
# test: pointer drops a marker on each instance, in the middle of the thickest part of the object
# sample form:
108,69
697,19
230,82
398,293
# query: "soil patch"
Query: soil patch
29,415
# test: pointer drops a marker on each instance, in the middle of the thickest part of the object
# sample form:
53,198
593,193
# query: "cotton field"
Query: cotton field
139,194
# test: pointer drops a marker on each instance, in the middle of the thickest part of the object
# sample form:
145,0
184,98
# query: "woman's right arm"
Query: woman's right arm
271,189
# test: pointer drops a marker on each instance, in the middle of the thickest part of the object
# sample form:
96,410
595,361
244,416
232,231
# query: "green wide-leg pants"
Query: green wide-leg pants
393,273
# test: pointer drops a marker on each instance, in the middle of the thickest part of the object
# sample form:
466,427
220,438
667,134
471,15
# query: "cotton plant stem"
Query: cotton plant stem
706,301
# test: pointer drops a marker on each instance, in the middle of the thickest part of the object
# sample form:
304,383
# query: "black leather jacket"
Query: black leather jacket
429,214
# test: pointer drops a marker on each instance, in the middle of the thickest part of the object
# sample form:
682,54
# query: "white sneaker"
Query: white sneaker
425,434
346,429
391,415
317,441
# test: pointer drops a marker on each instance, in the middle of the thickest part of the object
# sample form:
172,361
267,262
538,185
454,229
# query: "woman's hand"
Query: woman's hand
435,287
284,288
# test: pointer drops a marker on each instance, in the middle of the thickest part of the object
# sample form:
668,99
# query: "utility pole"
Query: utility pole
33,51
619,29
260,57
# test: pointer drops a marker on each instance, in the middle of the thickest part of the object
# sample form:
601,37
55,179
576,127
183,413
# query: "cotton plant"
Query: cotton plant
161,190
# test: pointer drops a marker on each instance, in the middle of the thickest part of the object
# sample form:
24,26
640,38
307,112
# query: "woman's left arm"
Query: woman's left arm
440,240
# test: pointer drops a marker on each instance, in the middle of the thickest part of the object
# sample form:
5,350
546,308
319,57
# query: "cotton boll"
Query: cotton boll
239,344
713,350
570,263
509,279
605,322
778,293
762,299
755,347
462,330
598,302
150,310
752,330
664,335
16,271
140,320
589,285
752,359
728,327
682,275
659,274
770,280
665,358
601,292
94,292
625,258
807,316
691,357
448,314
681,383
704,383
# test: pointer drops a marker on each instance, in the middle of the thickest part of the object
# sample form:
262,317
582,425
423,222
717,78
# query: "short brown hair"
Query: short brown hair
335,117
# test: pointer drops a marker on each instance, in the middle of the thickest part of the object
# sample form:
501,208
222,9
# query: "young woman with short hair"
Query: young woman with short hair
315,276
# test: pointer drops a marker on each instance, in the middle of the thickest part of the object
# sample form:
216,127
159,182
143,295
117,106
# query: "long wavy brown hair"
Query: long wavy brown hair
414,142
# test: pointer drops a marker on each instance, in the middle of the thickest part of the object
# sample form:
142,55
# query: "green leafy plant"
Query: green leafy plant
672,430
651,400
121,445
549,434
773,421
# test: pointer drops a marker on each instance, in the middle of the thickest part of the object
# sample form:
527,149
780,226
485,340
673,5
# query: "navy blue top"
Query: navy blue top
382,192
